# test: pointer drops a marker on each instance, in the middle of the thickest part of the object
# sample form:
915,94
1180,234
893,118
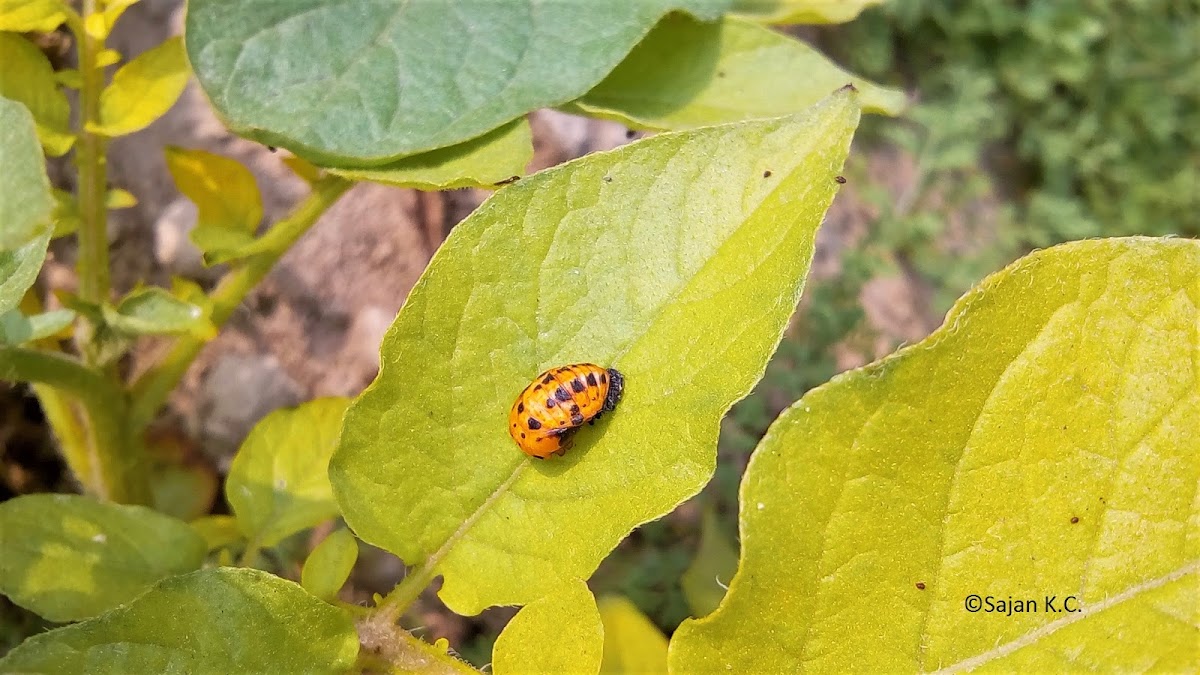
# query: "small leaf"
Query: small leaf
687,73
222,620
1040,444
218,531
654,259
119,199
143,90
69,557
100,24
328,566
16,328
705,580
302,168
802,11
223,190
31,16
368,83
154,311
19,268
66,216
25,198
68,77
27,77
560,633
482,162
632,644
107,57
277,483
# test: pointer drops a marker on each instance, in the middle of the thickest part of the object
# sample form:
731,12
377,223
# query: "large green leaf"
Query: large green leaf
68,557
1041,443
25,198
278,482
676,259
26,76
559,633
375,80
222,620
688,73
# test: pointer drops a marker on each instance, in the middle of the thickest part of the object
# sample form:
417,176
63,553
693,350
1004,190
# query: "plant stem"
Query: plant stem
86,410
93,169
150,390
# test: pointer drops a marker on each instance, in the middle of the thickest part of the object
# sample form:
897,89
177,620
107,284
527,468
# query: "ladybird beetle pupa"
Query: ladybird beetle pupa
552,408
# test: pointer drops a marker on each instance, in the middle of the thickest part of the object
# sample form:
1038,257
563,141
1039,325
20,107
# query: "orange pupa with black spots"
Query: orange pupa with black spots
551,409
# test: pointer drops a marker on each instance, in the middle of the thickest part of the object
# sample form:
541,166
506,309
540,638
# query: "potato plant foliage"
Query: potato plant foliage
1041,443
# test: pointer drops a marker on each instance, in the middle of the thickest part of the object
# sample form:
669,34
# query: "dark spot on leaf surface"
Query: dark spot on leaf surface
840,180
561,394
920,585
534,424
767,173
1074,519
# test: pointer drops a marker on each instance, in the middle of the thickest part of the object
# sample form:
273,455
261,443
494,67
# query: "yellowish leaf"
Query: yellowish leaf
560,633
632,644
143,90
119,199
706,579
802,11
27,77
38,16
107,58
302,168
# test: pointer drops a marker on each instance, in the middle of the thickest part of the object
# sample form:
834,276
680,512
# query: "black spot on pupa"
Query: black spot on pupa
576,418
603,378
520,407
767,173
522,435
550,402
548,379
841,180
577,386
561,394
534,424
574,408
591,379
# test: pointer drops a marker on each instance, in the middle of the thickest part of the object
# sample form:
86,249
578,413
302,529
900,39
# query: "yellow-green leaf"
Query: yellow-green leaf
119,199
26,202
328,566
706,579
31,16
19,268
27,77
69,557
654,259
632,644
227,199
143,90
277,483
302,168
218,531
802,11
107,57
689,73
100,24
66,216
560,633
1040,444
495,156
221,620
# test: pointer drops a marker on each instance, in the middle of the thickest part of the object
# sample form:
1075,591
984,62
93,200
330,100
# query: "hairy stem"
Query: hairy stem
93,169
86,411
150,391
